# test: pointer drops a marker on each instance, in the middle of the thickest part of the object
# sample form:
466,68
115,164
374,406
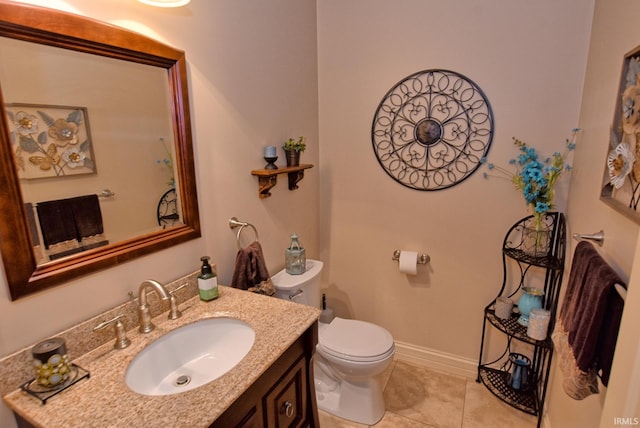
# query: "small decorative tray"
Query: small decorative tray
44,393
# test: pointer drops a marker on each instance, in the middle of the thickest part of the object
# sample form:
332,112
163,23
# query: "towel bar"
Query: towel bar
235,223
597,237
621,291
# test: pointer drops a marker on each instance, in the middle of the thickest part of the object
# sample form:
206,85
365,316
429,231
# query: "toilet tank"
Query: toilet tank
303,288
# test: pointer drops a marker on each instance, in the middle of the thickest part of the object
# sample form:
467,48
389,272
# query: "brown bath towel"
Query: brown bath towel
71,225
56,222
87,215
250,272
586,333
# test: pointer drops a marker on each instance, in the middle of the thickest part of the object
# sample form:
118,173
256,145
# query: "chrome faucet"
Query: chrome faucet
143,309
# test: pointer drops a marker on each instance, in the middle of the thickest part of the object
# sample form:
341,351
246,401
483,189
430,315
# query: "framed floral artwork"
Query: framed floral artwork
621,181
50,141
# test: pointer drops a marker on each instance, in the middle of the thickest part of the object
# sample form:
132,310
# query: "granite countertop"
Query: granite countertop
104,400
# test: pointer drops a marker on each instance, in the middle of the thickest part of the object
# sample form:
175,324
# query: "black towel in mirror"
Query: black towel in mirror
71,225
87,215
56,222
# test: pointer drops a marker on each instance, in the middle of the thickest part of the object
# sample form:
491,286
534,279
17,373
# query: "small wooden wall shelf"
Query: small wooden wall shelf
267,178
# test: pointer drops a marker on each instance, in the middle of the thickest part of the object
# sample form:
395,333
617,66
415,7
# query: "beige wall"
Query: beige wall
529,59
614,33
253,82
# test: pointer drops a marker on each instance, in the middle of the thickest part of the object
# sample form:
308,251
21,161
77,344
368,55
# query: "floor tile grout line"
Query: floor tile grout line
464,402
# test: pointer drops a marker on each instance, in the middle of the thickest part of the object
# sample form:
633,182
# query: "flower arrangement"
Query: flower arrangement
535,179
298,145
168,164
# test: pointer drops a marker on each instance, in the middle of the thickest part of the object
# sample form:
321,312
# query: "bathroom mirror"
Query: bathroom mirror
72,39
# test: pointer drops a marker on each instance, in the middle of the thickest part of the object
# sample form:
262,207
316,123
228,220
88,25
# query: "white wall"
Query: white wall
529,59
253,82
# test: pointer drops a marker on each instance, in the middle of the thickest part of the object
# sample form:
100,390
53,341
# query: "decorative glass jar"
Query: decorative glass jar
531,298
295,257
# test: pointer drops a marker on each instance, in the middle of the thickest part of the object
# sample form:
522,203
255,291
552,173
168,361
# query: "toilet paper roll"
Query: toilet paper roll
408,262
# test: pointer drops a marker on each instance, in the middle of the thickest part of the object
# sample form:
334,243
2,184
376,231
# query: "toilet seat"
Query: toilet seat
355,340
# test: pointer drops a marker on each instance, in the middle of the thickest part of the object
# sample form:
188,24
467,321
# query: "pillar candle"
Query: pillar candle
270,152
538,323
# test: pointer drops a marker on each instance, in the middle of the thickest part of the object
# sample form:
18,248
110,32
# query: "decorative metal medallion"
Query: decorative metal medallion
168,209
432,129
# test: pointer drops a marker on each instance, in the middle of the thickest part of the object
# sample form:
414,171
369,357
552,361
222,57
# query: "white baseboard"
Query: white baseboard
436,360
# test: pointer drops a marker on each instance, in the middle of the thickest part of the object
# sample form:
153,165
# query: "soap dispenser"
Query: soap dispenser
207,281
295,257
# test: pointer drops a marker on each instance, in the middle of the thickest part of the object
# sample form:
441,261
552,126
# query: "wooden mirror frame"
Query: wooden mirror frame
74,32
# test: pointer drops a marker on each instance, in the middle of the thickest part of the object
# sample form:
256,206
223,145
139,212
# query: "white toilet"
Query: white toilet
350,354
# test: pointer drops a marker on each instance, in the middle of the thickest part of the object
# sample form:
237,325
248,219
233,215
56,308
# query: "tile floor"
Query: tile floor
417,397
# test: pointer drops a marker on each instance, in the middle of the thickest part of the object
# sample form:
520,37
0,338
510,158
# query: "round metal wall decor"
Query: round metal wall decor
168,209
431,130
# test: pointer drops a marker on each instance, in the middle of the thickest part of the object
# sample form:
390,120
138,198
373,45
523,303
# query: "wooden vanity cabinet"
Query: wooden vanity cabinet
284,396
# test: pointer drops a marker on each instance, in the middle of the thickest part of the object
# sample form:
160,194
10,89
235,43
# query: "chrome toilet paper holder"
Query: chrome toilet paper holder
423,258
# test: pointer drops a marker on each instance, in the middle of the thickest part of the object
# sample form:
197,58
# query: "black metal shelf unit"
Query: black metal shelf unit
495,374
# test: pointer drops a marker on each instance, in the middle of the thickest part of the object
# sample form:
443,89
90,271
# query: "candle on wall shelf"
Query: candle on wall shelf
270,151
271,157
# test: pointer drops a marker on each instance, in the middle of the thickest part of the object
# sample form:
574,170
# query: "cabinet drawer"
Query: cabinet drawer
286,404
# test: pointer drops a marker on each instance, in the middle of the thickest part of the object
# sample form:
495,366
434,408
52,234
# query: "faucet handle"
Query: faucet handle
121,336
175,313
133,298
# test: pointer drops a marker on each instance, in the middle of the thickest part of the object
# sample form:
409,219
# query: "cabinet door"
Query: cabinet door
286,404
241,418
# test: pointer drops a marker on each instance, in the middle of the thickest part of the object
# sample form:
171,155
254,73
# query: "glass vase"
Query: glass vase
536,238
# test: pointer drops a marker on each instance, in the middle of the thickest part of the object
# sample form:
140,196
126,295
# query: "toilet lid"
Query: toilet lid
356,340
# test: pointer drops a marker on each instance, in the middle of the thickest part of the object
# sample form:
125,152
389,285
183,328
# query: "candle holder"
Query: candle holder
271,162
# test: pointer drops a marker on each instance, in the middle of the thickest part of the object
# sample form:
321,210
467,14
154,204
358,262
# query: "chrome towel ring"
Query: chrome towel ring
240,225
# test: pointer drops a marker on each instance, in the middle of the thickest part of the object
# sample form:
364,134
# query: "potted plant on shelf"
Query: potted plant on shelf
293,148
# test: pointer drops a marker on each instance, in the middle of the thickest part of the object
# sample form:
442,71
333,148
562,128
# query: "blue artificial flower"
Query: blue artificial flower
542,207
536,180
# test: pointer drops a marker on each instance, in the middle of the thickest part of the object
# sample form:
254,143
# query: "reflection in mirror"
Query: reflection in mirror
96,159
121,139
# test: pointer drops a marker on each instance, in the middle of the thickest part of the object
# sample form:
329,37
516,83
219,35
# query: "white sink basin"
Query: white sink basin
190,356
